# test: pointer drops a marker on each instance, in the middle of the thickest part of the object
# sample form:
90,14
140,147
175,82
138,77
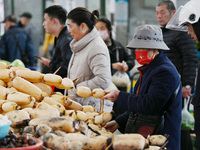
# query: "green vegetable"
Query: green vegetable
18,63
5,61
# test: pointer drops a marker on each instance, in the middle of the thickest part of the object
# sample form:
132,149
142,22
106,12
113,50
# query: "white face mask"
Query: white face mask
104,34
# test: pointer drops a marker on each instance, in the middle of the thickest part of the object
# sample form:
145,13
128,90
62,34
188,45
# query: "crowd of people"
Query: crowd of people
85,46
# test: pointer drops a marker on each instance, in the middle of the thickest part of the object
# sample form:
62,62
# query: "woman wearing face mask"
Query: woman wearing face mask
118,52
90,56
157,91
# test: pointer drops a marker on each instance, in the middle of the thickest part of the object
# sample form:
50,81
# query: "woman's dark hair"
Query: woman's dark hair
108,24
58,12
81,14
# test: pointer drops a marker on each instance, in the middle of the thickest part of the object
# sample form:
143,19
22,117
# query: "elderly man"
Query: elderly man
187,18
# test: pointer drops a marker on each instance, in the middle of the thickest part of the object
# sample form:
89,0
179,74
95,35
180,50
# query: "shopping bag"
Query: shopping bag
187,122
121,79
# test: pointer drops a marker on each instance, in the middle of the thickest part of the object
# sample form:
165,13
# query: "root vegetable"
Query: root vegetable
98,93
83,91
157,140
52,79
128,141
70,104
31,76
20,98
44,87
27,87
88,108
66,84
9,106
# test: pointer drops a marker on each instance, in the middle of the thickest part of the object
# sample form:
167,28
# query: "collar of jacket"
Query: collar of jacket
158,59
62,32
77,46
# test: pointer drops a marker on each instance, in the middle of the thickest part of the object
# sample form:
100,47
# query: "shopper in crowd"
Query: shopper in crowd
118,54
153,93
183,55
31,30
189,16
54,23
14,40
90,55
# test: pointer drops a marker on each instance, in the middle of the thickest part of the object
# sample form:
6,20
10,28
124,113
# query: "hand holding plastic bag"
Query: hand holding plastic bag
187,122
121,79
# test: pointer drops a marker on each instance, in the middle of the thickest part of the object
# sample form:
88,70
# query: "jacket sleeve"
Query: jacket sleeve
63,58
189,54
30,50
2,48
159,92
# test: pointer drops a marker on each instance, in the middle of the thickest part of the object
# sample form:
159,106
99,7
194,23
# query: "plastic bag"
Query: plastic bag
121,79
187,122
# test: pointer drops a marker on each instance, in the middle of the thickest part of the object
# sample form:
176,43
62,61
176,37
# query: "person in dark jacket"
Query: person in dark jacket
183,55
54,23
158,82
8,46
189,16
118,54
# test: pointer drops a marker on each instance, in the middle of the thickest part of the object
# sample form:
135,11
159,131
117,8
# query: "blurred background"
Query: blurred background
125,15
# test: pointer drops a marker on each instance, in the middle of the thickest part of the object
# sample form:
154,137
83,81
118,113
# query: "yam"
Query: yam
98,93
20,98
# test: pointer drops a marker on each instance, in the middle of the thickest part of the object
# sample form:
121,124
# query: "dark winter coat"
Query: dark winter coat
182,53
61,53
159,81
118,53
8,47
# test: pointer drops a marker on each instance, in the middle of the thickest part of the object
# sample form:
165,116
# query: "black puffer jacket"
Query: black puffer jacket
118,53
182,53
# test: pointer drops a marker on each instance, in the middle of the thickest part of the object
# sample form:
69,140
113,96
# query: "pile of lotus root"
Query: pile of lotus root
27,99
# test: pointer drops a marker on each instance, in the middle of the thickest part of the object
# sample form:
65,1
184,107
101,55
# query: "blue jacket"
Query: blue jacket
159,81
8,47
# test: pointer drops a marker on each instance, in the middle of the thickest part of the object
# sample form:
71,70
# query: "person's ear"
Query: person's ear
83,27
173,12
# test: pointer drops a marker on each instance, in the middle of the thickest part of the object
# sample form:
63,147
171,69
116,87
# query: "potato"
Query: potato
83,91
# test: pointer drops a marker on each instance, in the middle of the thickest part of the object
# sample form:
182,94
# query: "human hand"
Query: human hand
45,61
120,66
186,92
111,95
112,126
